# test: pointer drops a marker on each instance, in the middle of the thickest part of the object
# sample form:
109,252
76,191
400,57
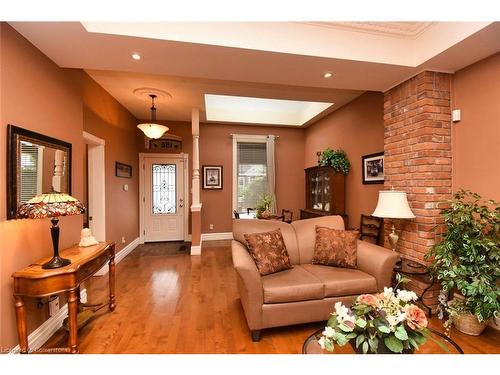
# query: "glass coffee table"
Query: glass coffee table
311,345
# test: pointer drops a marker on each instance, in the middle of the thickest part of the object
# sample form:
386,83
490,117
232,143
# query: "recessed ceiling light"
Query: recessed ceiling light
327,75
136,56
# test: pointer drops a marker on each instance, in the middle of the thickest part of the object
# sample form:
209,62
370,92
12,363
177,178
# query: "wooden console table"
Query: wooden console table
34,281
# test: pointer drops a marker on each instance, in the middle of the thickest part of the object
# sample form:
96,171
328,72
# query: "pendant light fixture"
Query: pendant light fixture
151,129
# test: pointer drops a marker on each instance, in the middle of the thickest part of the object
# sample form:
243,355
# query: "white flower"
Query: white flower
321,342
388,293
343,313
406,295
392,320
341,309
401,316
328,332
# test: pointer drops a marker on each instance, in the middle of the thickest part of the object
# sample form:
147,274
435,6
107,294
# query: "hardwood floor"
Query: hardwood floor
181,304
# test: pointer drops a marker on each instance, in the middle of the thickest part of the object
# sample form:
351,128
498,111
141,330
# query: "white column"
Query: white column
195,129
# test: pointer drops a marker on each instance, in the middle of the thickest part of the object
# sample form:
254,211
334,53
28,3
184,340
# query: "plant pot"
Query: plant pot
382,349
468,324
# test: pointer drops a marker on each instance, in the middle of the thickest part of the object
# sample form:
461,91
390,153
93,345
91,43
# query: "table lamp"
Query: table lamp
53,205
393,204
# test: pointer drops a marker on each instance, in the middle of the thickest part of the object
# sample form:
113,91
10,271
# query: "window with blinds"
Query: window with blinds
30,184
251,174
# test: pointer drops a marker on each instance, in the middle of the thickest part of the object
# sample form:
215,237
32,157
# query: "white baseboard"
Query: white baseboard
196,250
118,257
40,335
216,236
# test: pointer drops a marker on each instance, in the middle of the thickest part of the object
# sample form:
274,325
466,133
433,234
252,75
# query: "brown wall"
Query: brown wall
37,95
358,128
476,138
107,119
216,148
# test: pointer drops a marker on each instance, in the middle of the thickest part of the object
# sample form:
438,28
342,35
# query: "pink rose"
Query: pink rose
368,299
415,317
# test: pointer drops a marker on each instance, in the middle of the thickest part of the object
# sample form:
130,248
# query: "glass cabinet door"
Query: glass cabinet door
316,191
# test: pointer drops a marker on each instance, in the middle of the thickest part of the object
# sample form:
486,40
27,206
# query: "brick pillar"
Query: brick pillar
417,147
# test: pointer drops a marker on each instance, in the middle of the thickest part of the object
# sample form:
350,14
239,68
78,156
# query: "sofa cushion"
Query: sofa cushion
306,234
247,226
292,285
342,281
335,247
268,251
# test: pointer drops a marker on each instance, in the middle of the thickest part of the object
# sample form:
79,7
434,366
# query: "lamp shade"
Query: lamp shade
152,130
53,204
393,204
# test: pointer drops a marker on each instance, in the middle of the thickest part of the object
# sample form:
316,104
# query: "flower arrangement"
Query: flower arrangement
378,322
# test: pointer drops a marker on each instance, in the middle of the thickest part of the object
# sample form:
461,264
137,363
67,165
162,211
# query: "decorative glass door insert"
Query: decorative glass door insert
164,188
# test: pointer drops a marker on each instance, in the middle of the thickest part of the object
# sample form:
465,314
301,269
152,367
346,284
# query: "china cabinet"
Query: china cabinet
325,193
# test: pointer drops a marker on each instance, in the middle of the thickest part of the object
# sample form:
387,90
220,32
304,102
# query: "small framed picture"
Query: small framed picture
123,170
212,177
373,168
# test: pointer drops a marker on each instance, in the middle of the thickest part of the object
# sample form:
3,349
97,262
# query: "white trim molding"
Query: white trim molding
216,236
196,250
47,329
119,256
96,160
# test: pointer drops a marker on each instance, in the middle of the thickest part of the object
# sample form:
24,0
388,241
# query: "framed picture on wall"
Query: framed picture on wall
373,168
123,170
212,177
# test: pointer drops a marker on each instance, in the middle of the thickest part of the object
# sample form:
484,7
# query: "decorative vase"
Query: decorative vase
468,324
381,349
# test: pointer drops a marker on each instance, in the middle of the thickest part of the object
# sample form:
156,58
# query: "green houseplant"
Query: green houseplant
263,207
337,159
467,260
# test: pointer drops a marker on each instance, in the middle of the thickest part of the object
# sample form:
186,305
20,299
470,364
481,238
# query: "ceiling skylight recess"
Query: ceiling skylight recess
241,109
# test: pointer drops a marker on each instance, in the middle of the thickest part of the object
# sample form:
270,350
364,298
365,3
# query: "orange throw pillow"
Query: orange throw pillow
336,247
268,251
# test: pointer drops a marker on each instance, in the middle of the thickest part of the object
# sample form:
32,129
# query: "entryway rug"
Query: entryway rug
162,249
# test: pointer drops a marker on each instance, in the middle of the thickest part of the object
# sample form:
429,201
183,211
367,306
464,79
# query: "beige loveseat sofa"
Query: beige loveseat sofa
307,292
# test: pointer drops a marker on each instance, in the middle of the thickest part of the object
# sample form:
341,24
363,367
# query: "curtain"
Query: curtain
271,170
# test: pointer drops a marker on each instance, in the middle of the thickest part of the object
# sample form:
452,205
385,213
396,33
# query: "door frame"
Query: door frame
96,177
145,155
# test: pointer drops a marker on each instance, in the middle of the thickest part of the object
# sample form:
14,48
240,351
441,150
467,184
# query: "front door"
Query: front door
163,199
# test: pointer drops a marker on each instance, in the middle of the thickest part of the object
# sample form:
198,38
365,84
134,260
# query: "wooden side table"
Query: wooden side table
34,281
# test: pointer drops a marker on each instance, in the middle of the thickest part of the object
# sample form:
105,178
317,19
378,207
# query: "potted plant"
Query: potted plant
337,159
264,206
383,323
467,260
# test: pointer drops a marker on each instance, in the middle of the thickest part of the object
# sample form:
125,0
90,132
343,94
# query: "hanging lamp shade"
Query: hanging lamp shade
151,129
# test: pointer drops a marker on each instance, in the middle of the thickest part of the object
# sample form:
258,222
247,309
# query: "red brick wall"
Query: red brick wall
417,146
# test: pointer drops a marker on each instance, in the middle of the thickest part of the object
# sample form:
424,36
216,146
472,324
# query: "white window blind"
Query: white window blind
251,174
29,186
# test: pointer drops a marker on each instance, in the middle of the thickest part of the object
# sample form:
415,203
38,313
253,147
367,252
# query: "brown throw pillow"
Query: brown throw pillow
335,247
268,251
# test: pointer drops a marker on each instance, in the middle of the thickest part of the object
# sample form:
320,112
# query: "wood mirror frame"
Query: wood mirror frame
15,135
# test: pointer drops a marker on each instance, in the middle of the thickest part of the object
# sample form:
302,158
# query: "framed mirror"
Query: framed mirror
36,164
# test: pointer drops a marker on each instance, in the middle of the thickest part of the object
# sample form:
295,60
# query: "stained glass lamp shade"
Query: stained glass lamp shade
52,205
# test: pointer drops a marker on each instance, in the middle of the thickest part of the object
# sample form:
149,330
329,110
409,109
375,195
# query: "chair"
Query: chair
370,228
287,215
236,214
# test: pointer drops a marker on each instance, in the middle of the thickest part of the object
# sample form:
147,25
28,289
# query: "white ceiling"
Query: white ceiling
282,60
398,29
